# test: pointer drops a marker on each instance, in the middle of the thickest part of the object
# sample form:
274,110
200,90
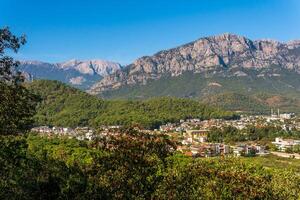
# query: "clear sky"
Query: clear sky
123,30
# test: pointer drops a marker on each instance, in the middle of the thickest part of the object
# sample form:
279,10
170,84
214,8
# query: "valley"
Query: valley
211,118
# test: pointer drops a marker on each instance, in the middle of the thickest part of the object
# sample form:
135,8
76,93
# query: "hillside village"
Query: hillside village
191,134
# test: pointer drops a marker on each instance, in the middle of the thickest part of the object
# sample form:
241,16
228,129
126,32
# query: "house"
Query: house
82,133
282,144
209,149
42,129
197,135
248,150
195,150
238,151
287,115
187,141
222,149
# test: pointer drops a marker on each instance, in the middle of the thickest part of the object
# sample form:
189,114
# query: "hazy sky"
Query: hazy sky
124,30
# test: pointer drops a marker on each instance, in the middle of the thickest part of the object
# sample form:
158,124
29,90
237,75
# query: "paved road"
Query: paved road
286,155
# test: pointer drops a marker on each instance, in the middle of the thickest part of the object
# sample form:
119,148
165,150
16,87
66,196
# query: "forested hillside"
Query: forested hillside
133,165
249,94
260,103
238,102
62,105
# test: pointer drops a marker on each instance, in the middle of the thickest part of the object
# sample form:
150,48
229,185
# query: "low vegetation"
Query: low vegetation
274,162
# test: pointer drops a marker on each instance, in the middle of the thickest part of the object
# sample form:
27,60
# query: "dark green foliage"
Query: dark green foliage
251,133
133,166
17,104
63,105
226,134
17,107
24,176
66,106
126,166
215,179
130,165
224,179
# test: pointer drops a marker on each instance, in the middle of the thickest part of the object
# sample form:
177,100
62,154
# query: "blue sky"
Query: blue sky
123,30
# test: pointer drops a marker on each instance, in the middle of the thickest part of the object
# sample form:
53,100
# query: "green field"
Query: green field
275,162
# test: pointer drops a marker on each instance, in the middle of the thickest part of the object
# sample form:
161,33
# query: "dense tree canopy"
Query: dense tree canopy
130,165
66,106
17,104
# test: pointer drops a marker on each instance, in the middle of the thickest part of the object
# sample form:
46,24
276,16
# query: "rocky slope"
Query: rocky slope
100,67
224,55
81,74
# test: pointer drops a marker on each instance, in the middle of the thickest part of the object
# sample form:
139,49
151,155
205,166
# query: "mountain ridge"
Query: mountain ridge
78,73
214,54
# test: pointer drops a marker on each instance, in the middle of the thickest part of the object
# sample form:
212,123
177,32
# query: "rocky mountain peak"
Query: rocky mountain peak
220,52
101,67
75,72
68,63
227,36
32,62
294,44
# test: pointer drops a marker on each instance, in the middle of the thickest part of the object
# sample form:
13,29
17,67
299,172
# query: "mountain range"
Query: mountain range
227,70
224,56
81,74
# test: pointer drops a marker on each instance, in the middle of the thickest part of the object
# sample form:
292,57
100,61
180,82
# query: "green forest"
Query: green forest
62,105
133,165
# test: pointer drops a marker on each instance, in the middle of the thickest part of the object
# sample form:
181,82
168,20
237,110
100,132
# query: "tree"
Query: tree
17,105
296,148
288,150
133,165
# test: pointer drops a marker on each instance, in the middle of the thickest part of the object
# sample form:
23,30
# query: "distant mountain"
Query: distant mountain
251,93
209,65
81,74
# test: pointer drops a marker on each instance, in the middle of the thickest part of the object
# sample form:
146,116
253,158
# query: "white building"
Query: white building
287,115
282,144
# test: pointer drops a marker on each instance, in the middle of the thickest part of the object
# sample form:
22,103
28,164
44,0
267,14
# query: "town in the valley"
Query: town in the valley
191,135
